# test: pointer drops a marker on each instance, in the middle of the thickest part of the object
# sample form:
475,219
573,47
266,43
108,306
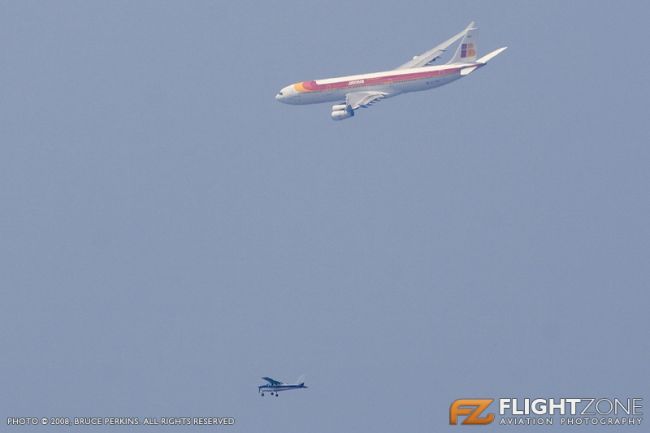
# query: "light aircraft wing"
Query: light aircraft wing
430,56
272,381
363,99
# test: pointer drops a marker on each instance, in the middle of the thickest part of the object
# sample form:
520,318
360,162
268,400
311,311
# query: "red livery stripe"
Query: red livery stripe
312,86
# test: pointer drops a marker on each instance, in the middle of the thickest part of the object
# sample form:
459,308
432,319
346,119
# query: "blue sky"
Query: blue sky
170,233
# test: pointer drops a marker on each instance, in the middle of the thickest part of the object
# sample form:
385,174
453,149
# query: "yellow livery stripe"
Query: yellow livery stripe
300,87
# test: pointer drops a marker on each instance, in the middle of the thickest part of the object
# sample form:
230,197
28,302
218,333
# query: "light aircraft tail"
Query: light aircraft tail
301,379
466,51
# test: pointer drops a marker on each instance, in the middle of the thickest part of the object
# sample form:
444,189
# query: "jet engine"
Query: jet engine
341,111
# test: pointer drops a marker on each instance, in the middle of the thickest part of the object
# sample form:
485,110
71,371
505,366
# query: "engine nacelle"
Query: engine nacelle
341,111
341,114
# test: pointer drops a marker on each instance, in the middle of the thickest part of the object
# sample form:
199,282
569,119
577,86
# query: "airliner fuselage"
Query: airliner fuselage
392,83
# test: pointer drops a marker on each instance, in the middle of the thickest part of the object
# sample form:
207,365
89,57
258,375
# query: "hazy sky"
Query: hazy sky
169,233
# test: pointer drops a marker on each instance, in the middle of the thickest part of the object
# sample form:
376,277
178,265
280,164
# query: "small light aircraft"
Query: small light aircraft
356,91
275,386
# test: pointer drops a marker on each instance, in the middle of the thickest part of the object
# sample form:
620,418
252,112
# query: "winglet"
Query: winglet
486,58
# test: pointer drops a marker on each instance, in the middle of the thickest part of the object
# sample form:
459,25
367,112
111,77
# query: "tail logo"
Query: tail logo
467,50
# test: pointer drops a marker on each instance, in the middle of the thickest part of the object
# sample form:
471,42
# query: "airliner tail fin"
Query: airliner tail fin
466,51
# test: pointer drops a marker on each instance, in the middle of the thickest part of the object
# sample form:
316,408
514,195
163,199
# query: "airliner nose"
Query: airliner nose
284,95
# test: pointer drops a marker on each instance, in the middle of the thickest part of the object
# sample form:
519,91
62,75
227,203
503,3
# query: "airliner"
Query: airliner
360,91
275,386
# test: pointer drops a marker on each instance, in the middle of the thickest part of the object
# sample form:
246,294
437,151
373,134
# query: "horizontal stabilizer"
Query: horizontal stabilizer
486,58
467,71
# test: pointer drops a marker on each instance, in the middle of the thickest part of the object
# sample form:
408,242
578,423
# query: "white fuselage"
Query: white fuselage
391,83
274,389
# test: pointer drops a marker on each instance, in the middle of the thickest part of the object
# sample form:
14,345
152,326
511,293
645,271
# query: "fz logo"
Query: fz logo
472,409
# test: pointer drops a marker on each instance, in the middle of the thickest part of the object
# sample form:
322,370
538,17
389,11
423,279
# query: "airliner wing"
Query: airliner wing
272,381
430,56
363,99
